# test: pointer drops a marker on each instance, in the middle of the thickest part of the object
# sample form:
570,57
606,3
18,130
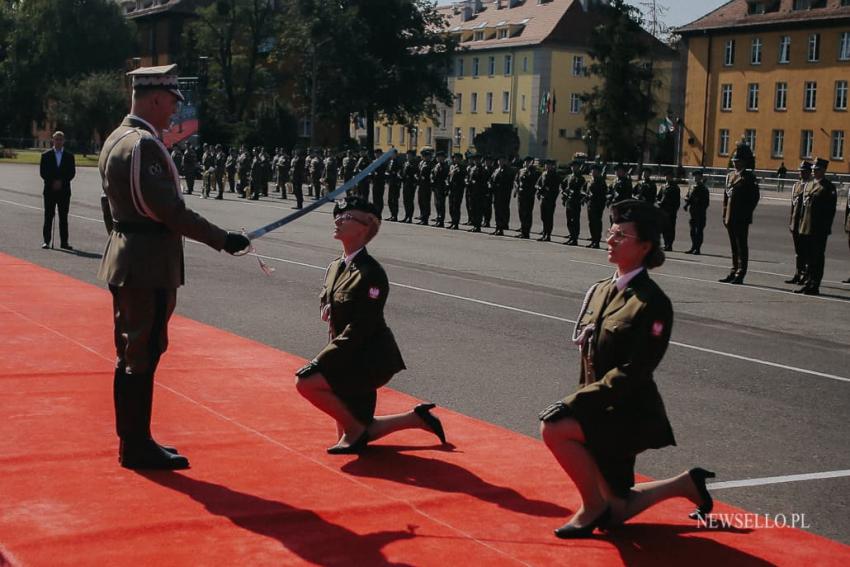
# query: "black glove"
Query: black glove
308,369
236,242
556,411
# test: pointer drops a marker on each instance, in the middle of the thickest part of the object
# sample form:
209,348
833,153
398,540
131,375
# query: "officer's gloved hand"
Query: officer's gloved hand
236,242
556,411
311,367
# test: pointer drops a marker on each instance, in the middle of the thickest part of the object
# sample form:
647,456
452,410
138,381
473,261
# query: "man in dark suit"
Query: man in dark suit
57,170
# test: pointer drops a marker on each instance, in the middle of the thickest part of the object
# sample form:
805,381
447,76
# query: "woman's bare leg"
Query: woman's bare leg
317,391
648,494
565,440
385,424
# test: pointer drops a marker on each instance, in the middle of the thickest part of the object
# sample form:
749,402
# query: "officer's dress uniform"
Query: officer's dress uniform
423,178
595,199
362,354
409,172
316,172
500,186
819,203
526,190
455,182
220,170
143,261
618,405
486,201
646,191
797,192
379,185
476,193
230,169
329,174
208,164
621,190
739,203
572,193
669,199
243,168
439,174
190,169
393,178
547,191
296,171
696,202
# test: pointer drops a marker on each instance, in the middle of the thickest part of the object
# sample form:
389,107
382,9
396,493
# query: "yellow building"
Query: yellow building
774,73
523,63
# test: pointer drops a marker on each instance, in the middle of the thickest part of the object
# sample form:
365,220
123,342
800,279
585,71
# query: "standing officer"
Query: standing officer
409,171
208,164
455,183
266,163
177,156
230,169
317,170
379,183
423,178
697,200
739,202
346,168
547,193
147,219
329,172
819,203
487,200
500,186
283,161
439,174
646,190
57,169
573,189
243,167
669,199
526,188
797,192
476,191
296,172
394,180
597,193
621,189
190,168
220,168
362,162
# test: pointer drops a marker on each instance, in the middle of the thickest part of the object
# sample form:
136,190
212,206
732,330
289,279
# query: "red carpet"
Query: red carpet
261,490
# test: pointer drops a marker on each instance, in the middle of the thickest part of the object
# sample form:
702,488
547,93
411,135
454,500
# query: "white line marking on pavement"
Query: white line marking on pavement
777,479
571,321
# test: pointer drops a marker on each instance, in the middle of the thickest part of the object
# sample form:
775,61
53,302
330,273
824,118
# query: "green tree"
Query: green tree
498,140
94,103
52,41
618,109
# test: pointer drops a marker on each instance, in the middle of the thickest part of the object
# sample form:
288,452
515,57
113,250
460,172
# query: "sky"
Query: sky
679,12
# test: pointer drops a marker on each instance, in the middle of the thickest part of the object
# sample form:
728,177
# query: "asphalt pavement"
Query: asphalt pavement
756,381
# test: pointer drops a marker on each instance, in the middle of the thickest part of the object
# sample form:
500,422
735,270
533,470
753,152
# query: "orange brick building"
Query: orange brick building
774,73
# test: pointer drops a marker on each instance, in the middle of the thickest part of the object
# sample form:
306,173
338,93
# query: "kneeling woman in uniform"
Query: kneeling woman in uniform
623,332
362,355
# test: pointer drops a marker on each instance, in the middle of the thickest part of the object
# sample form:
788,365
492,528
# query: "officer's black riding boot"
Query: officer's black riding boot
133,398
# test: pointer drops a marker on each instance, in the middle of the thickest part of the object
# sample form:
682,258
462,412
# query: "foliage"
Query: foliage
498,140
96,102
44,42
621,105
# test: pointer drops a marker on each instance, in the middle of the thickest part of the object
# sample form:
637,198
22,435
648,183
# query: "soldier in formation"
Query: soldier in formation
439,174
455,183
739,201
669,198
573,189
379,182
646,190
329,173
819,202
409,172
548,187
621,189
696,202
393,178
190,168
525,189
500,184
597,193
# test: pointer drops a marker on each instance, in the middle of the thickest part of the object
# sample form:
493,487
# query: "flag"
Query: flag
552,103
544,103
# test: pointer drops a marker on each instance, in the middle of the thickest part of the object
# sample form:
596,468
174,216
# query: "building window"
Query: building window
389,134
509,65
807,142
525,64
506,101
491,65
428,135
443,118
502,33
814,48
780,101
306,127
471,135
401,131
785,49
460,66
578,65
473,105
378,136
840,95
475,66
459,103
729,53
777,146
489,101
458,136
837,146
753,96
750,138
726,97
844,46
755,51
478,36
810,97
522,102
723,145
575,103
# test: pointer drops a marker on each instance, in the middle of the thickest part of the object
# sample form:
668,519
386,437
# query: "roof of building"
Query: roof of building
767,13
141,8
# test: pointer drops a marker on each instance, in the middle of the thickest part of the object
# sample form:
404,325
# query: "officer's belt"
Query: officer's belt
139,227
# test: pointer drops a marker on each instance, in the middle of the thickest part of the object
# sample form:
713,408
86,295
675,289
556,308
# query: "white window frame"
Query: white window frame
750,138
525,64
459,103
842,90
509,65
777,144
813,51
810,95
575,103
473,103
836,145
491,65
488,98
459,67
478,36
756,49
807,143
476,66
844,46
502,33
506,101
578,65
785,49
458,135
471,135
723,142
401,131
780,97
729,53
752,97
726,97
389,134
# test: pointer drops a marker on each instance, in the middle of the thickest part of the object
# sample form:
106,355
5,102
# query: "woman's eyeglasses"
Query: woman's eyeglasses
349,217
618,235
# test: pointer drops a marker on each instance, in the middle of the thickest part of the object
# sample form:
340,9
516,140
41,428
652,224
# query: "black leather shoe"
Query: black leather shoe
45,245
433,423
811,290
737,280
698,477
354,449
148,455
795,279
727,279
66,246
846,281
569,531
695,252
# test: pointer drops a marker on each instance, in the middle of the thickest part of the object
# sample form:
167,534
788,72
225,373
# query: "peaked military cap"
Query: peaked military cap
354,203
805,165
163,77
742,152
821,163
649,218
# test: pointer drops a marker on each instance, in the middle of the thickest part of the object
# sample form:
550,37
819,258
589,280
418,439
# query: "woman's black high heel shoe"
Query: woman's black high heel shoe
434,424
698,477
354,449
573,532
